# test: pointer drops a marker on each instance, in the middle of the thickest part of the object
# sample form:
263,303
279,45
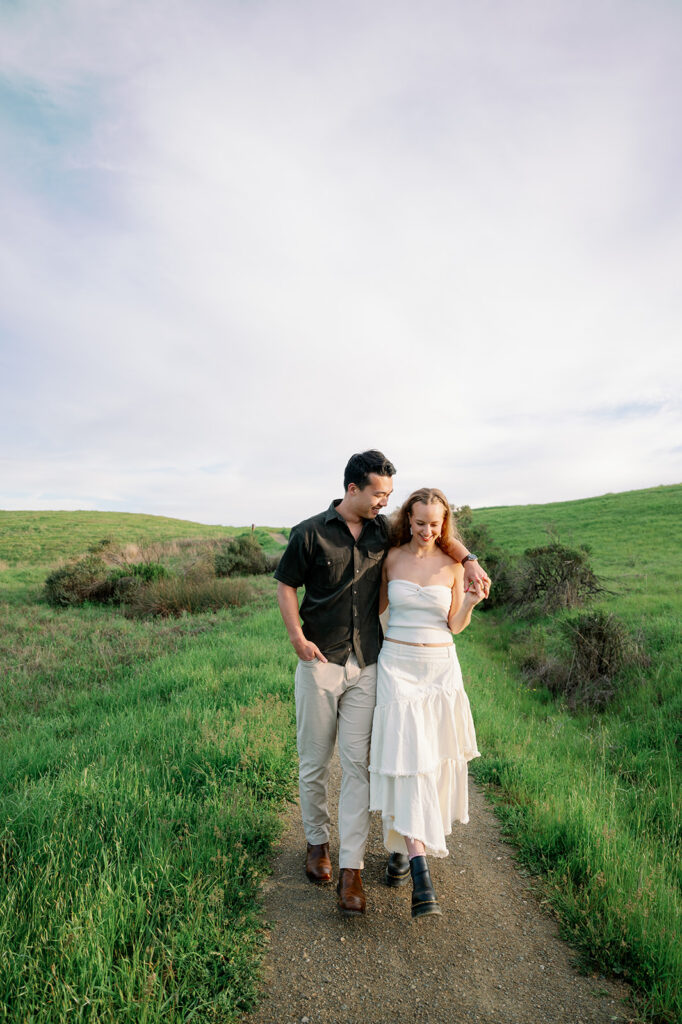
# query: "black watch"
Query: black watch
469,558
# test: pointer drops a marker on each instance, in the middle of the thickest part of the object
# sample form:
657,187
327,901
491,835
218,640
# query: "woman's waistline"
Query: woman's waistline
419,634
416,652
417,643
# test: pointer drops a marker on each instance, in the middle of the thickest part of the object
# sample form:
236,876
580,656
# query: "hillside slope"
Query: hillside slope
593,800
621,528
42,538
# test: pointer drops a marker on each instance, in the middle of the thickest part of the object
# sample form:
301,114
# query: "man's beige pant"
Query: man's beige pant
330,698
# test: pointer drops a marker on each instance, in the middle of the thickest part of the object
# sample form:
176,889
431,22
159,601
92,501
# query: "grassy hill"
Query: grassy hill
613,523
635,541
635,537
593,799
42,538
143,764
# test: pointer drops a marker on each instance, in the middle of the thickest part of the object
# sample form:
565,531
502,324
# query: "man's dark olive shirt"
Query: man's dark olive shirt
342,578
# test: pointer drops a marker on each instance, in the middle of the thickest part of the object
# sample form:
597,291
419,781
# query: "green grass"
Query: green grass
626,531
593,801
143,765
43,538
139,813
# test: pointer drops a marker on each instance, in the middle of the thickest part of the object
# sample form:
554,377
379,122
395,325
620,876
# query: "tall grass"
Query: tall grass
181,595
606,841
142,767
593,800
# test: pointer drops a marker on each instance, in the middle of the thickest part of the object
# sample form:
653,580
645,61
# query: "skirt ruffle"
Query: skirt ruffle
422,740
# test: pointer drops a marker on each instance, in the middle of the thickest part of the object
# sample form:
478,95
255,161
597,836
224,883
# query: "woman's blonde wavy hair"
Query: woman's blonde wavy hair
400,520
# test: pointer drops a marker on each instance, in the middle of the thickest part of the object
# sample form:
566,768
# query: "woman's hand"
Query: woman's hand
475,573
474,591
465,598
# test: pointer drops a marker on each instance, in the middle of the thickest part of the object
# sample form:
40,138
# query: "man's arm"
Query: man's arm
474,573
287,599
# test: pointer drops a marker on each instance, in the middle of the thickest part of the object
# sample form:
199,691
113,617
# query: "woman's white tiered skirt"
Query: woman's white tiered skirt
422,741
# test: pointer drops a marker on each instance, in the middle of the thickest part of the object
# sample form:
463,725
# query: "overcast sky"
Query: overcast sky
242,240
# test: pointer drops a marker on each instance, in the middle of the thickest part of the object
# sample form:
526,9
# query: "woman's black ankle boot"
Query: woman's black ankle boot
397,870
424,900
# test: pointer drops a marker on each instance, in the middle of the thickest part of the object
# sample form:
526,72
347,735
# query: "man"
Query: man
337,555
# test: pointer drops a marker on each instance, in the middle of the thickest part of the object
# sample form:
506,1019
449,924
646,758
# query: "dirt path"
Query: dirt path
493,958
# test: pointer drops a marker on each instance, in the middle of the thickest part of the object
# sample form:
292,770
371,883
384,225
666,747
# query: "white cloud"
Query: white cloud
261,237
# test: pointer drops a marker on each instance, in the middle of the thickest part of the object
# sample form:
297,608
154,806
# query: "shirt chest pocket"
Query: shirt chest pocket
373,561
328,570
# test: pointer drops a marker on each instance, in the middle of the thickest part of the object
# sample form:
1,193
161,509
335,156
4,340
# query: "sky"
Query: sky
243,239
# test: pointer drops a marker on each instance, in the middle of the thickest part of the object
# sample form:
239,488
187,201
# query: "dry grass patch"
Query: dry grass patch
154,551
178,595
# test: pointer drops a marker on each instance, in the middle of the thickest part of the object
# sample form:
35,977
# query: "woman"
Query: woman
423,734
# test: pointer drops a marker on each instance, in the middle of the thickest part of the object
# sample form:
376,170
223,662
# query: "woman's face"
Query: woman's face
426,522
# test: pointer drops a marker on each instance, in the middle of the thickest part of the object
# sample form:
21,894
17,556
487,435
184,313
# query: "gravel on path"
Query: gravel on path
494,957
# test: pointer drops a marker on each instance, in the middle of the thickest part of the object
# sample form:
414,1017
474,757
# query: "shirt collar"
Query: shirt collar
331,512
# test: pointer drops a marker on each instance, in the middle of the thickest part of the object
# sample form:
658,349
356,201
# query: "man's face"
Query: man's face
373,498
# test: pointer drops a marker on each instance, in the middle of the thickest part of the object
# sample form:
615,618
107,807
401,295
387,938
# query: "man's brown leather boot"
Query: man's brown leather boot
318,865
351,895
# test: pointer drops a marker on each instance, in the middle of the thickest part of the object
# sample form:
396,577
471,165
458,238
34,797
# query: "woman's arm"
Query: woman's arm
473,571
463,602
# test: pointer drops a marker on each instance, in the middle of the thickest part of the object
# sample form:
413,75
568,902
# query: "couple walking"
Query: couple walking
405,696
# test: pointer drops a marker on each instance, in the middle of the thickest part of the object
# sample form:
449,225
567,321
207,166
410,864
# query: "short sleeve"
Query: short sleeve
293,564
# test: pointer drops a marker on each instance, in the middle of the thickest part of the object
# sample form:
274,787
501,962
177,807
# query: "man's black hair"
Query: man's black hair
360,466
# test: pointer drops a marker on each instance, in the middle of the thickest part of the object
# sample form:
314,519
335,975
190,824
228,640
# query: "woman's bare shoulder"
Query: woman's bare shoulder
458,570
455,567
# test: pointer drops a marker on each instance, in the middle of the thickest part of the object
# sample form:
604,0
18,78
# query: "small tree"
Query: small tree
554,577
496,562
243,556
595,649
75,583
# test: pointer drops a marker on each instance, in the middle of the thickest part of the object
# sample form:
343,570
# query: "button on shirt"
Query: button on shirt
342,578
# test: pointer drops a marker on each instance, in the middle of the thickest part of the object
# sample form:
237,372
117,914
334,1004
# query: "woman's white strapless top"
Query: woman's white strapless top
418,615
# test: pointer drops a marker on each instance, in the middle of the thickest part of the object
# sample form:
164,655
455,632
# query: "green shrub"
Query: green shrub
90,579
243,556
178,595
498,563
113,589
601,646
147,571
553,577
596,649
272,561
75,583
